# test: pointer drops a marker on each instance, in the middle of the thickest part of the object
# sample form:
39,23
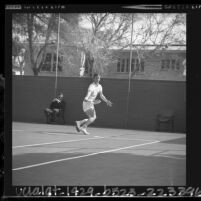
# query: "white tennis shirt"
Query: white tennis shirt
95,89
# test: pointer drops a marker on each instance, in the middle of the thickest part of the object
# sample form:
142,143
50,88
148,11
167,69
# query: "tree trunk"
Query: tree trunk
43,49
89,62
30,18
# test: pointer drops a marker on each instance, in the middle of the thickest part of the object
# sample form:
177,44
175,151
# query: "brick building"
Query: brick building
159,65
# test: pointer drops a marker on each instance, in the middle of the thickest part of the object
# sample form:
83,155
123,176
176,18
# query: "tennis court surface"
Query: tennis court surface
46,154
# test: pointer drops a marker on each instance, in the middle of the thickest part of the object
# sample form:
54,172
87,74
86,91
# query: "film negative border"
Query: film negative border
105,191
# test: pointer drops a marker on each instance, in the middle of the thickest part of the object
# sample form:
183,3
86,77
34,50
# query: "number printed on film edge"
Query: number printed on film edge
107,191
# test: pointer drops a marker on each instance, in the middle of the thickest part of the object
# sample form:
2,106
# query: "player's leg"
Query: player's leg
82,122
91,113
48,113
85,106
55,112
78,124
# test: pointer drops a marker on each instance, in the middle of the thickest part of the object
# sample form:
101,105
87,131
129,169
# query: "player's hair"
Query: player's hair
60,94
95,75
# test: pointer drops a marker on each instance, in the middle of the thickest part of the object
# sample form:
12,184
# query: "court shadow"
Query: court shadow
59,132
176,141
101,169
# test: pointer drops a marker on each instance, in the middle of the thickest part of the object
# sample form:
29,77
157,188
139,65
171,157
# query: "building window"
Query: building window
132,65
142,66
59,63
170,64
123,65
88,71
46,66
49,64
173,62
178,65
118,65
127,65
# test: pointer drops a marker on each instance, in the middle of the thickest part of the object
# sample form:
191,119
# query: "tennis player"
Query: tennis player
88,104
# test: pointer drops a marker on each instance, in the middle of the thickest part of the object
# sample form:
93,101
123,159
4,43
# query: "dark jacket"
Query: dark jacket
57,104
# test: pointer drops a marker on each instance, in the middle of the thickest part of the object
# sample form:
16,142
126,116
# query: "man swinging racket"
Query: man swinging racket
88,104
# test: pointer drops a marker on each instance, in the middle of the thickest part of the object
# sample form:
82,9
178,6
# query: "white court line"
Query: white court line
170,157
17,130
118,138
82,156
32,145
43,132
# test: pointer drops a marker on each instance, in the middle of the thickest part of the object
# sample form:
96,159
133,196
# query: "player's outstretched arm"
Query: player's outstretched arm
109,103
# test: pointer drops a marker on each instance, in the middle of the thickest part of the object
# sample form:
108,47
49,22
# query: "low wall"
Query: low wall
31,94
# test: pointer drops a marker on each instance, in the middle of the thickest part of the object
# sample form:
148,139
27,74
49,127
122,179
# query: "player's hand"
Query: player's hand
56,100
109,103
97,101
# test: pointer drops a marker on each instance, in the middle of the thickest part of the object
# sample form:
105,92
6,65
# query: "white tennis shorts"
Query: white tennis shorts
87,105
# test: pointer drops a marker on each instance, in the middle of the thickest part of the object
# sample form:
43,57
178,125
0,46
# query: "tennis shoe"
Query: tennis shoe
77,126
84,131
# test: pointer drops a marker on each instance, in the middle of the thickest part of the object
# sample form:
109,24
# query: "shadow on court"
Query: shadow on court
147,158
101,169
59,132
176,141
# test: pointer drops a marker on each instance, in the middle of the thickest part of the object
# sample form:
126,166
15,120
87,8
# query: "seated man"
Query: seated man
56,107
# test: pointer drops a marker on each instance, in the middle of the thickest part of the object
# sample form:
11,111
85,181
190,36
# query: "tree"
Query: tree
18,54
108,30
29,28
113,30
37,27
160,31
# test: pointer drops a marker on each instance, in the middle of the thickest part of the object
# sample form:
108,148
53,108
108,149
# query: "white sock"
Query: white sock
83,122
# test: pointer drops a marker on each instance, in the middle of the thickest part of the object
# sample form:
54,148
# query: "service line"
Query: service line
82,156
33,145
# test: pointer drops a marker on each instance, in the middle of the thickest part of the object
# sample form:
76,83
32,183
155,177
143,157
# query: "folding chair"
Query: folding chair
165,117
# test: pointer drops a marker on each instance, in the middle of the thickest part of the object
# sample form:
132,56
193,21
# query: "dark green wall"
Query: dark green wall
32,94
